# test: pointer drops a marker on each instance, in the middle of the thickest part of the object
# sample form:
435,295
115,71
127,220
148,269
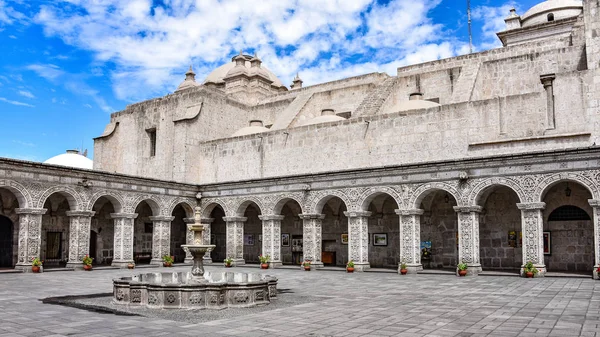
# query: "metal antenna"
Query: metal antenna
470,31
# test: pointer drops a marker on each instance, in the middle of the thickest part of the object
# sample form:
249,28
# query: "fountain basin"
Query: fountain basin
215,290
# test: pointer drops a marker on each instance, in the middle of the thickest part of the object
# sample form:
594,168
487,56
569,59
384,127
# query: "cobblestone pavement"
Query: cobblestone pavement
359,304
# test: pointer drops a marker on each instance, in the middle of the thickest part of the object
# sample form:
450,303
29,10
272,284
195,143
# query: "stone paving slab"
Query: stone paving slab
335,304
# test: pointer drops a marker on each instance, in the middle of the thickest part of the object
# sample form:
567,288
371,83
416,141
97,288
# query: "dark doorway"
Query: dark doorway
93,238
6,242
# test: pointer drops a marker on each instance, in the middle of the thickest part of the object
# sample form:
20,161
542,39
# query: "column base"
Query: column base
541,271
412,268
317,265
595,273
26,268
275,264
75,265
473,269
361,266
156,262
188,260
121,264
238,262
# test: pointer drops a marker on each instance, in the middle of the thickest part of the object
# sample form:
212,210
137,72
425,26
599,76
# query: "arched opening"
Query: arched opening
550,17
334,245
218,234
102,227
568,228
500,243
55,231
439,230
384,232
143,229
9,229
291,233
178,232
252,233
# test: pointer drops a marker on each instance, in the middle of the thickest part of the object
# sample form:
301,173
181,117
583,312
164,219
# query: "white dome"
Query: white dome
71,159
416,104
248,130
217,75
561,9
323,119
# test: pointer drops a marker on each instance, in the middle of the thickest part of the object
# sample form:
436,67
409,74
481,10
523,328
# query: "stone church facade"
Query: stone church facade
488,158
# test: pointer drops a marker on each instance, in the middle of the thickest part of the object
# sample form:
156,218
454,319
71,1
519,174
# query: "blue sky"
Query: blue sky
66,65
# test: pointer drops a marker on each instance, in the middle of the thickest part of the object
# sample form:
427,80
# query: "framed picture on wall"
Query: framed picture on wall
380,239
547,243
345,239
285,239
248,239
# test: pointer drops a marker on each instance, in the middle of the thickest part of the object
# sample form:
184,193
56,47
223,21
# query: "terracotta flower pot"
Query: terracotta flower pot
35,269
167,264
462,273
307,268
227,265
529,274
264,266
350,269
403,271
131,266
87,267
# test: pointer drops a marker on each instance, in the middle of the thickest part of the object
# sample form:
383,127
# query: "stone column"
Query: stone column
468,237
123,242
161,238
206,238
547,83
410,239
596,206
79,237
235,239
358,239
30,236
271,242
312,238
189,240
532,227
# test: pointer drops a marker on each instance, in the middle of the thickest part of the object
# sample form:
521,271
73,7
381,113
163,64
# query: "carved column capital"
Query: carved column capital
31,211
271,217
311,216
123,215
415,211
234,219
594,202
468,209
531,206
161,218
357,214
81,213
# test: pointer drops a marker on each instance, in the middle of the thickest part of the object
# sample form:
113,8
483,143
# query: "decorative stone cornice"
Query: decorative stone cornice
235,219
531,206
358,214
31,210
594,202
414,211
123,215
207,220
271,217
468,209
189,220
311,216
161,218
81,213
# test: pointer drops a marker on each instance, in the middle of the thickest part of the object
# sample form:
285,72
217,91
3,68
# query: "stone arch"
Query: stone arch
478,191
423,190
320,199
23,196
73,198
209,204
282,201
115,199
241,207
549,181
187,205
154,205
368,195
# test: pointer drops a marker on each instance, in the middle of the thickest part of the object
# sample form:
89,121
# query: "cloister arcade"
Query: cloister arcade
491,223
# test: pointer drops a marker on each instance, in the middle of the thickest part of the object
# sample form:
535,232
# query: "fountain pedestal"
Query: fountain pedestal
198,250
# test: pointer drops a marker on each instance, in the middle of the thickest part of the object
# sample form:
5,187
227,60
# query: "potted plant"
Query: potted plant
530,270
403,269
87,262
306,265
167,261
131,265
462,269
350,266
36,264
228,261
264,261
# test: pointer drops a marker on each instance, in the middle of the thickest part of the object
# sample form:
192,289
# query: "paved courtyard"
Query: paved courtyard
360,304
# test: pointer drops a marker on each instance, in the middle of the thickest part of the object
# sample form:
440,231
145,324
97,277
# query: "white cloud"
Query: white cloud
87,106
493,22
8,15
3,99
26,93
22,143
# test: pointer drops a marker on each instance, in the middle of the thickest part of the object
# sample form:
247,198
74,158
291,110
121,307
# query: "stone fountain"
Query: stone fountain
195,289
